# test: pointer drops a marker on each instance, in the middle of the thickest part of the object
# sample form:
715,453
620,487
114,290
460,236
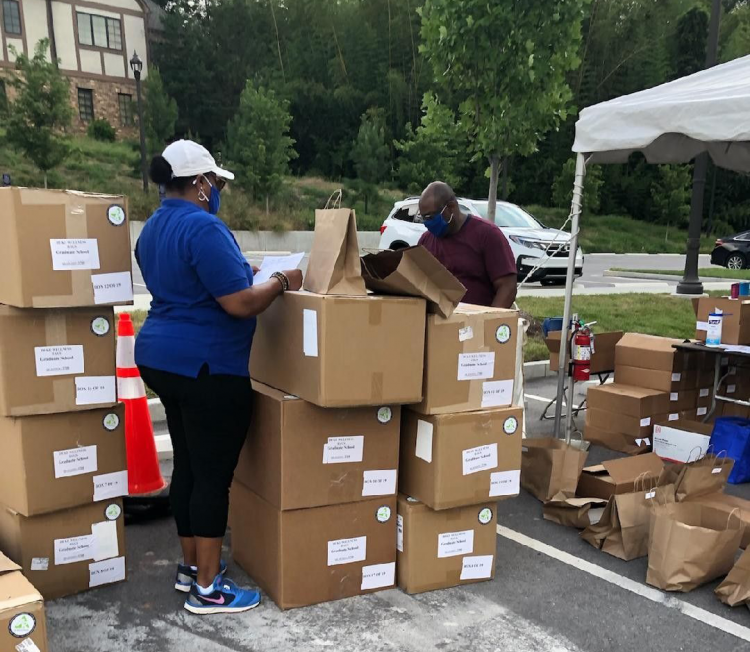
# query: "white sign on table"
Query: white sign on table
273,264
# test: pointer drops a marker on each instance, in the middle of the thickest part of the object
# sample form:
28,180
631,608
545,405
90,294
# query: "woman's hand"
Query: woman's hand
295,279
255,269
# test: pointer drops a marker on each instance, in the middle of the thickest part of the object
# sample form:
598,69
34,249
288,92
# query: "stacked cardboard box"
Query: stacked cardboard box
460,450
22,623
735,327
313,504
64,261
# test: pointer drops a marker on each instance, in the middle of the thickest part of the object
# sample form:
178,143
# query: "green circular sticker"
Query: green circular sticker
116,215
111,421
113,512
22,625
485,515
385,414
384,514
502,334
510,425
100,326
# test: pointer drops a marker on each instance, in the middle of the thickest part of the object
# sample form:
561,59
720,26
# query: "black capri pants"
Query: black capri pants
208,419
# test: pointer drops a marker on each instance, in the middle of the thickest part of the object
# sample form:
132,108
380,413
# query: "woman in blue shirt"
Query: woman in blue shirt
193,351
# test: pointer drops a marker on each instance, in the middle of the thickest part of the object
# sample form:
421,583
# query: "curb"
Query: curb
667,277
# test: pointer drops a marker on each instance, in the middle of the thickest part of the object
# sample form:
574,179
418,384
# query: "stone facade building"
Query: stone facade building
93,41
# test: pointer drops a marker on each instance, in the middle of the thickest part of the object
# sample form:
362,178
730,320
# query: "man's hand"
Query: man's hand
295,279
506,288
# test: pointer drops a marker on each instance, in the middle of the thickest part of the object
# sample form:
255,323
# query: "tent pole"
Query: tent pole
562,371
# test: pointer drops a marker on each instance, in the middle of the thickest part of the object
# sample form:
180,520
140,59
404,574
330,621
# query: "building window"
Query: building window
86,104
126,109
11,17
98,31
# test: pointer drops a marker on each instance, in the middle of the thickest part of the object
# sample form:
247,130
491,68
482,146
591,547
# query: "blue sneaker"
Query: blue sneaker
225,598
186,575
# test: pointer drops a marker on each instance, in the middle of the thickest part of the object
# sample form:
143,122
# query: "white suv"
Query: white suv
528,238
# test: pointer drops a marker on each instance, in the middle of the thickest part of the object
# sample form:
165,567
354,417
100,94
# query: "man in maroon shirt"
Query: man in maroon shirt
474,250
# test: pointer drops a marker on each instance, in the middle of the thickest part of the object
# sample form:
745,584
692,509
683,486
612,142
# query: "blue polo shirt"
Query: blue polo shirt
188,258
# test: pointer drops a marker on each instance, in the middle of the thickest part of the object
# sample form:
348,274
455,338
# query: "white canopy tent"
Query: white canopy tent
672,123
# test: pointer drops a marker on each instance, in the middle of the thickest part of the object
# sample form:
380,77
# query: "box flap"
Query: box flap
17,591
627,390
643,342
597,469
272,392
627,469
6,565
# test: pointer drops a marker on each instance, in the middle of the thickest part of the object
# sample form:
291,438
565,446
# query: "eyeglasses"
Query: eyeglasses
218,182
419,218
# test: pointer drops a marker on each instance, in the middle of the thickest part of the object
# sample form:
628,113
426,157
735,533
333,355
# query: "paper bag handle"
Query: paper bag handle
695,448
336,202
642,480
736,509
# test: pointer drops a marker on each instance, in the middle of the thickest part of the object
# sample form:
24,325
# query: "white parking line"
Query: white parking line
687,609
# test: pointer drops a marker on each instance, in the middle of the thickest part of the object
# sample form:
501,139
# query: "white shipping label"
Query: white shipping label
378,576
674,396
701,326
705,392
59,360
466,333
310,333
27,645
480,458
650,494
106,572
40,563
74,254
75,461
676,377
110,485
344,450
112,288
74,549
95,390
646,421
476,366
497,393
347,551
452,544
731,389
477,568
639,442
647,441
702,411
716,470
505,483
400,533
674,416
379,483
424,440
105,540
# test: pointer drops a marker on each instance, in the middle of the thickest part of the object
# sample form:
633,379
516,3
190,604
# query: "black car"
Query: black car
732,252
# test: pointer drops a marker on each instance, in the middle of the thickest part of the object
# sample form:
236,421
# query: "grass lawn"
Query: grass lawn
703,272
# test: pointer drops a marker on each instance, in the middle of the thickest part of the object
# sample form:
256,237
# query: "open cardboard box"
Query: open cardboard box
614,477
603,358
735,327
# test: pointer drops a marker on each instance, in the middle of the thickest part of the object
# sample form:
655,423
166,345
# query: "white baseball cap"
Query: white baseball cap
189,159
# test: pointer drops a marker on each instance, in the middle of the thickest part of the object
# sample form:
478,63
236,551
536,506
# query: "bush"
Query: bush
101,130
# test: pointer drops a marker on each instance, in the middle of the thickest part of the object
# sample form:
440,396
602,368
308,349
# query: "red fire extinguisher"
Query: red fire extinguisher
583,348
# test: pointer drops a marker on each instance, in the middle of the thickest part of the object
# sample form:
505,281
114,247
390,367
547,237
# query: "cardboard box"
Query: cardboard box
53,462
22,623
437,550
728,504
468,458
299,455
341,351
628,400
682,440
614,440
603,358
651,352
470,360
62,249
636,427
685,399
614,477
56,360
660,380
735,326
306,556
66,552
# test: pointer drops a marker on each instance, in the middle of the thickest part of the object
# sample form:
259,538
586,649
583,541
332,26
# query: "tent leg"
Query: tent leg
563,370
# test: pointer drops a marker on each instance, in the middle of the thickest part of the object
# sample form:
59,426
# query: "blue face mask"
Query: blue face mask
214,201
437,225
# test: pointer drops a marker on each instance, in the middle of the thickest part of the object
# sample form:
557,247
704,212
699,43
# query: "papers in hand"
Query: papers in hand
273,264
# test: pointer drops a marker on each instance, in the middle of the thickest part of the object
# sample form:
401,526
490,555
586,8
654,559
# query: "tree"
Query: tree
40,111
562,188
370,154
259,142
435,150
160,112
692,34
671,196
505,67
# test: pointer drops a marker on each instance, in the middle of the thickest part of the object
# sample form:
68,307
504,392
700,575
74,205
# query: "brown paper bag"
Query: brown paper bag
690,544
735,589
566,509
413,272
550,466
702,477
334,266
623,529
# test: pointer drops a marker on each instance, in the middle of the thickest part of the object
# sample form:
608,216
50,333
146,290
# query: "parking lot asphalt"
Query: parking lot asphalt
553,592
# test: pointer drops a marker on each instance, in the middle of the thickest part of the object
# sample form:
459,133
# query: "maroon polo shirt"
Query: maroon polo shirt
477,256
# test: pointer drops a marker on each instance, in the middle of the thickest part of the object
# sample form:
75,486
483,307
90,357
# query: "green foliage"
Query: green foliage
40,111
160,112
671,196
101,130
370,153
562,188
690,42
259,142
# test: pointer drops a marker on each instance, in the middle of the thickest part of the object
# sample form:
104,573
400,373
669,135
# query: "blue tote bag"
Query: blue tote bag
732,434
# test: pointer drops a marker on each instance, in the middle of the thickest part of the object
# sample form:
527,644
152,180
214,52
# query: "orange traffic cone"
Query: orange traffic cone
144,475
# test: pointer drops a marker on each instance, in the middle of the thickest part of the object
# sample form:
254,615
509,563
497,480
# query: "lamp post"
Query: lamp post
136,65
